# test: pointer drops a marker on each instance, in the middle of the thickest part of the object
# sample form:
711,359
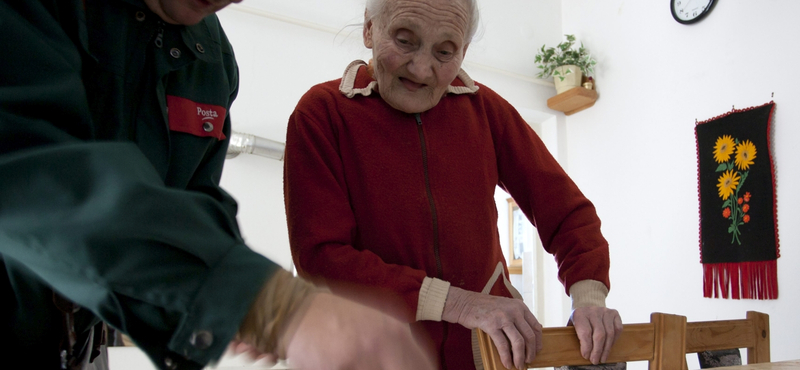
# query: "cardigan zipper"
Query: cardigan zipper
435,217
439,272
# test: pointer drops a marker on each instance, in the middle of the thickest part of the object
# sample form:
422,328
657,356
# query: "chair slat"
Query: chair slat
713,335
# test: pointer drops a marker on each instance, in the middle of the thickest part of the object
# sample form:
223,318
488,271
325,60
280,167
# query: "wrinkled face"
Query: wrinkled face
186,12
417,50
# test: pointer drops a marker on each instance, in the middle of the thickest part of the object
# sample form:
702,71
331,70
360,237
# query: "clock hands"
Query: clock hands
690,11
696,9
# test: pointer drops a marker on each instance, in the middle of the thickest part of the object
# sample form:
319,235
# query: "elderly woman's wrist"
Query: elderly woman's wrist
454,305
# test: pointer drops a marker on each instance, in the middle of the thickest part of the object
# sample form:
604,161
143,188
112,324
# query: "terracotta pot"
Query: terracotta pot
567,77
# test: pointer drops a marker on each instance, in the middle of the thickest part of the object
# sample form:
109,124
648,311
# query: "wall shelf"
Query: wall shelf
573,100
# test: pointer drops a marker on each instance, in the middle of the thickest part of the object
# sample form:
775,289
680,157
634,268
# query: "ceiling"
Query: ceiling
331,13
509,34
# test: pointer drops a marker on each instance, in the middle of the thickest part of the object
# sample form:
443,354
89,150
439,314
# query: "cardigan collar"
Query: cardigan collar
357,80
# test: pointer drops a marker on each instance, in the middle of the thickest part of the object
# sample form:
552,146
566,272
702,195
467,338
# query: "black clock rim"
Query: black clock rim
711,4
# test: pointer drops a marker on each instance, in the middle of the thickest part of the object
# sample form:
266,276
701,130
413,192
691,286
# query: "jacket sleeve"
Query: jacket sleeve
94,220
322,225
565,219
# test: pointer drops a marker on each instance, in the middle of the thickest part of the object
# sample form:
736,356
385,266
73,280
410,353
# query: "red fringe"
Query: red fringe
741,280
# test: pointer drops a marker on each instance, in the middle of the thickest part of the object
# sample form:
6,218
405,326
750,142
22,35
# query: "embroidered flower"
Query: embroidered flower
723,148
745,153
727,184
733,174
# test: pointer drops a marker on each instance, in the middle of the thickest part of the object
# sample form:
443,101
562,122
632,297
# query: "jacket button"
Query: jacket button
208,126
170,364
201,339
140,16
175,52
200,47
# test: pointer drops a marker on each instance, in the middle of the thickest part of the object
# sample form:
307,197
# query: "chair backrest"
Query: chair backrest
751,333
662,342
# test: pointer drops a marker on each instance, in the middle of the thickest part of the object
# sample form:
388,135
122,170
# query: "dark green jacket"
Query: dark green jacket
113,131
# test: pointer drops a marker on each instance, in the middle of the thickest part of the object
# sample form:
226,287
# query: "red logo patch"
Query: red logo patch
194,118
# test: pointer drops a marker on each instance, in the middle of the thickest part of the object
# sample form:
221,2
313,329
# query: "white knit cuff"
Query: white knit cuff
588,293
432,295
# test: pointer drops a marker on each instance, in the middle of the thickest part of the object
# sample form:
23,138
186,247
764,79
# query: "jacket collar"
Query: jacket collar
357,80
199,39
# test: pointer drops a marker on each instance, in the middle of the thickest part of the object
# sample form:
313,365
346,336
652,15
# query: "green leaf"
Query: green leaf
730,229
721,167
726,204
741,181
563,54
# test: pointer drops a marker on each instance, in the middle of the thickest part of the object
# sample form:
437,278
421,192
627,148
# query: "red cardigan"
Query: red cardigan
377,200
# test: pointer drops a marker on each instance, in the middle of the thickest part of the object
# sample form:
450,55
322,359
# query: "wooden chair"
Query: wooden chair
751,333
662,342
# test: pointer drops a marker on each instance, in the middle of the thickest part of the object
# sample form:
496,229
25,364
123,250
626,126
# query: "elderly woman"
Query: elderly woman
390,175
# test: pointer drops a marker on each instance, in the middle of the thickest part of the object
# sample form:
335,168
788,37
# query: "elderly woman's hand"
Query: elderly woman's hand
598,328
514,330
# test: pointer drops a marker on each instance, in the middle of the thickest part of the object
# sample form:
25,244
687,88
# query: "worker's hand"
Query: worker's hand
313,329
237,347
335,333
514,330
598,328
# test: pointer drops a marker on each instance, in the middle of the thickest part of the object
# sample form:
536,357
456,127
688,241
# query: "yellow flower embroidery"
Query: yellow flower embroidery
745,153
723,148
727,183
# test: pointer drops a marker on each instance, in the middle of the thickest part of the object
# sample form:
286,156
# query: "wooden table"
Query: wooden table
781,365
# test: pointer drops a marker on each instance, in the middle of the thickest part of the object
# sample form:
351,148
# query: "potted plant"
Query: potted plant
565,64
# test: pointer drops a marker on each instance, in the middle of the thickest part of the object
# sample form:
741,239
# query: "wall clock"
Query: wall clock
690,11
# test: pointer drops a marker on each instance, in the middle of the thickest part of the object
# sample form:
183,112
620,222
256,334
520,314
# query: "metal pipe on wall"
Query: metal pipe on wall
251,144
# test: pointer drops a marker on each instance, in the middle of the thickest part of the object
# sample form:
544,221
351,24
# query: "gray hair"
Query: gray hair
375,8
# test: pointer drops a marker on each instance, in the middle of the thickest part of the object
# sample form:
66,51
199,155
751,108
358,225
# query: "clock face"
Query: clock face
690,11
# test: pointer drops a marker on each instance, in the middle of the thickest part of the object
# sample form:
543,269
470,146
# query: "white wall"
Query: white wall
634,154
278,63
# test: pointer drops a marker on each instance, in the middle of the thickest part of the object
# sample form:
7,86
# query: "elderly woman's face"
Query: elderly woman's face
417,48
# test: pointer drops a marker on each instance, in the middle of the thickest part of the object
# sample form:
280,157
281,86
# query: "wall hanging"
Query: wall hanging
736,185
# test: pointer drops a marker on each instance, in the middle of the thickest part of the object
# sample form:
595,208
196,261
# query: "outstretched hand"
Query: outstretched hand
339,334
597,328
514,330
335,333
